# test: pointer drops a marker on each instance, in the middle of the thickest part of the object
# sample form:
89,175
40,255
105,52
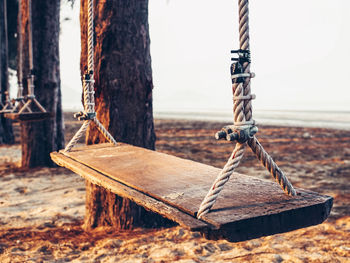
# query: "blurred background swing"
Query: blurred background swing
25,108
177,188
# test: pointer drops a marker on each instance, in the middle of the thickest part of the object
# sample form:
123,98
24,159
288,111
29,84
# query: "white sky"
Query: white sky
300,54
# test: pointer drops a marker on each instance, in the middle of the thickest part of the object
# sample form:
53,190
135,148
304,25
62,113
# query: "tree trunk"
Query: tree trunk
12,11
6,133
123,90
41,138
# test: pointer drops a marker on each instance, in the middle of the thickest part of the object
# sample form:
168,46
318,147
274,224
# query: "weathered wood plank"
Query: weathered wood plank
28,116
141,199
247,207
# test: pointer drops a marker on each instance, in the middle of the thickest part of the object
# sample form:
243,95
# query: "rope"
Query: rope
20,105
89,99
30,35
244,45
20,53
77,136
103,130
271,166
31,94
244,128
90,36
89,93
89,114
220,181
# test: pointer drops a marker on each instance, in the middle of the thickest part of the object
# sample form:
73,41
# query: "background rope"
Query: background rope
30,35
89,114
242,110
20,52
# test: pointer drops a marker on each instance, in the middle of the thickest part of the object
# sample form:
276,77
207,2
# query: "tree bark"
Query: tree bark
6,132
123,90
41,138
12,11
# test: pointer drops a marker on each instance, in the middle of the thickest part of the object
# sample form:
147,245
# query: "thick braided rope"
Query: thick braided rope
234,159
90,35
244,45
222,178
271,166
77,136
88,89
262,155
89,94
30,35
103,130
239,118
89,100
20,51
30,50
243,116
238,104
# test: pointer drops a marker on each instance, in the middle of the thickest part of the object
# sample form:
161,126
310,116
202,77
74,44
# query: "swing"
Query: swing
178,189
8,107
26,108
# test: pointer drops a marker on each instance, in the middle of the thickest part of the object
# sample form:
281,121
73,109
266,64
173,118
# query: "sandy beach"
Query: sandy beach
41,210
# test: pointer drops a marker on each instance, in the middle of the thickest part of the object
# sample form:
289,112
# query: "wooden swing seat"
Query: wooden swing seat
5,111
174,188
28,116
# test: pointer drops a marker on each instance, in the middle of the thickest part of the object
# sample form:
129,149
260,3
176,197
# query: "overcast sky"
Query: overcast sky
300,54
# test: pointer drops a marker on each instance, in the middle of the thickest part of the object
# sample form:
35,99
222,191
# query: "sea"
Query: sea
295,118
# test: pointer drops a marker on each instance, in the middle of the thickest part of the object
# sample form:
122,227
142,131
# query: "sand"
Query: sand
41,210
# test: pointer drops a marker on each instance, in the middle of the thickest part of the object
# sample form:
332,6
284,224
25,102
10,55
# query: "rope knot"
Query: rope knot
239,133
84,116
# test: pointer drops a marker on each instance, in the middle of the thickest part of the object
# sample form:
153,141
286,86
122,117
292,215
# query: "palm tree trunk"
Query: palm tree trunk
41,138
123,90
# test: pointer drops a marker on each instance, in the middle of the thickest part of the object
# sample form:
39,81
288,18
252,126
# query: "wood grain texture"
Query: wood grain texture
128,192
30,116
247,207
